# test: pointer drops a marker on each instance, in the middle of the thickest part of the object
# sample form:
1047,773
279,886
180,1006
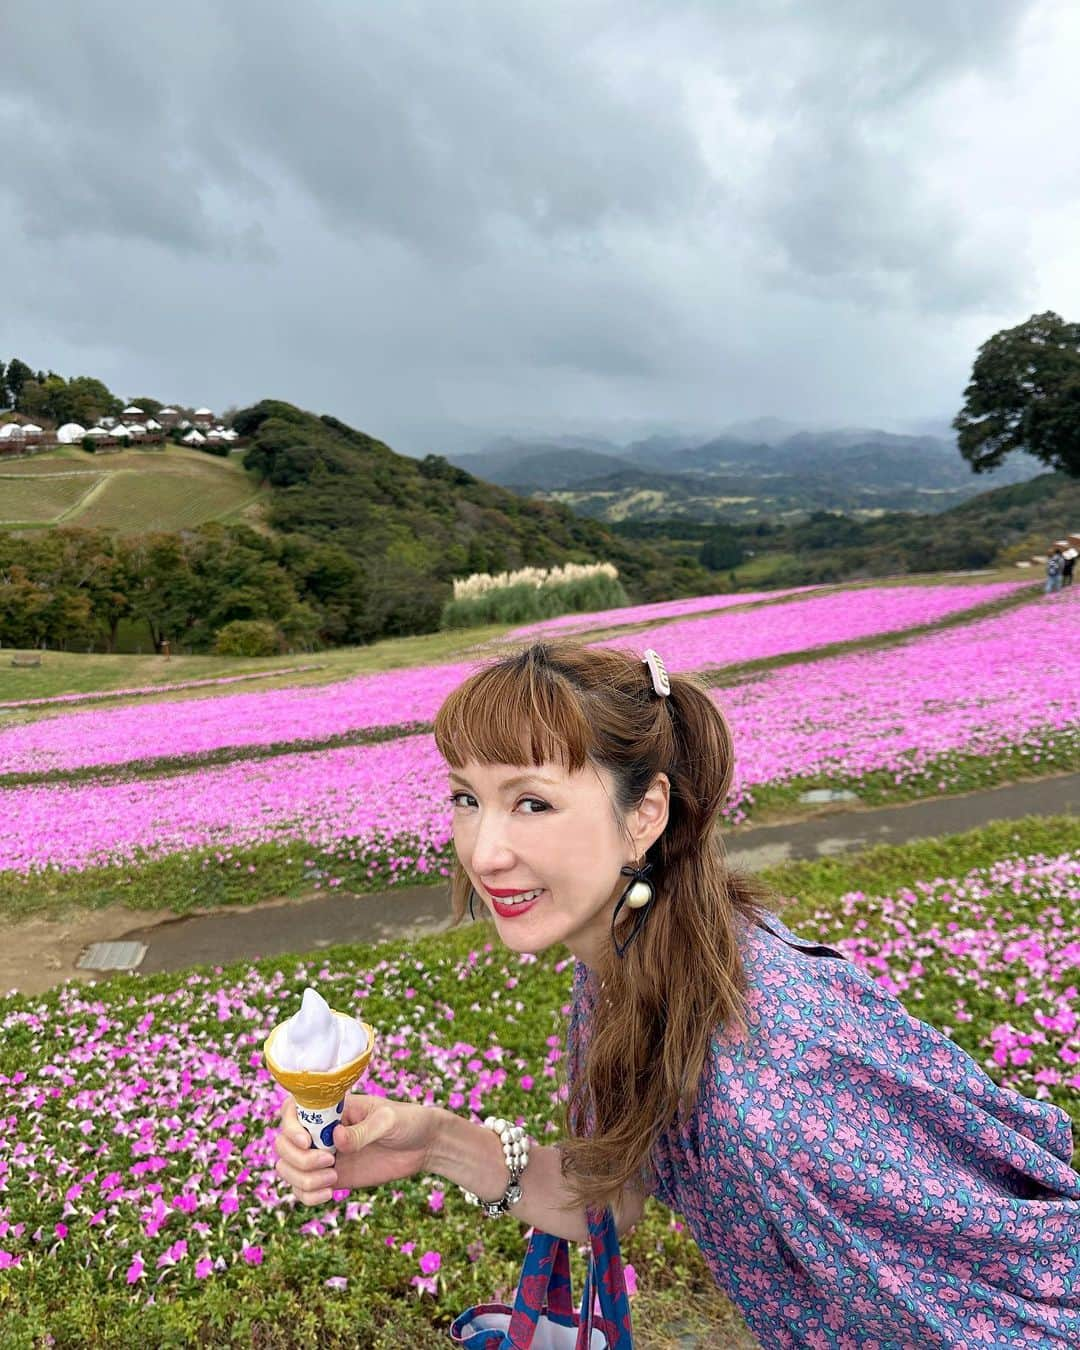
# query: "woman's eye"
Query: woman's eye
534,802
462,799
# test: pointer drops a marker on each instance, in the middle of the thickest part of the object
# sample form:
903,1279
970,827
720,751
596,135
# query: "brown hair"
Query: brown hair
683,977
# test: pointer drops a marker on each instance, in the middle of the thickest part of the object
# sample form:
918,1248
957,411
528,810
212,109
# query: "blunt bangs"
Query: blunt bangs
518,712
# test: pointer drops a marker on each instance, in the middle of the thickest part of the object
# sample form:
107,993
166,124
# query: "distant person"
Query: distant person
852,1177
1069,557
1055,566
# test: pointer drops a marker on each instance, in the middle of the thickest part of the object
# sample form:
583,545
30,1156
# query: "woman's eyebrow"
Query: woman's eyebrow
518,781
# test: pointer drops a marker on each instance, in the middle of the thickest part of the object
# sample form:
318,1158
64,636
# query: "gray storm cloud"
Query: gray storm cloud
426,217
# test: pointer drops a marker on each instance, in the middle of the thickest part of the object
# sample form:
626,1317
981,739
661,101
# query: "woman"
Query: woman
852,1177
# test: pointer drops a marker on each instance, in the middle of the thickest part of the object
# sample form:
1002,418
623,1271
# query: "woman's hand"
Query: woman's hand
378,1140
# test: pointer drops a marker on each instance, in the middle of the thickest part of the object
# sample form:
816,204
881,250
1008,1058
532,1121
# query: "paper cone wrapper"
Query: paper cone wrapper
320,1096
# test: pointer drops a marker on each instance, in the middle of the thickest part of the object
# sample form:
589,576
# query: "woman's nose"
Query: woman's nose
491,850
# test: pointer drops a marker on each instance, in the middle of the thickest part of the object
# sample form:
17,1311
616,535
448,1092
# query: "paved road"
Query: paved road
293,926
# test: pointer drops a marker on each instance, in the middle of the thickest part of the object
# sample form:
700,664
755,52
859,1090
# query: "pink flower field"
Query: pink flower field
136,1162
777,630
393,698
201,726
659,609
163,1172
961,935
369,795
138,1138
1002,682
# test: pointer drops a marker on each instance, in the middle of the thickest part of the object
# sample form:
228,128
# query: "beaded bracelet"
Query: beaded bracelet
516,1145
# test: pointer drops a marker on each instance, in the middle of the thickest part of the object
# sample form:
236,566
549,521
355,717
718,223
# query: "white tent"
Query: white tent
194,438
31,429
70,433
120,430
151,425
203,412
136,428
134,412
11,431
167,412
97,432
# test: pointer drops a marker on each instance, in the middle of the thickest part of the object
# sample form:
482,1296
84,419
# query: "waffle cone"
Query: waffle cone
314,1089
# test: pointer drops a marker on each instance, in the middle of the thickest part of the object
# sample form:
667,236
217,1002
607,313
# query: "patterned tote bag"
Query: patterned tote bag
543,1316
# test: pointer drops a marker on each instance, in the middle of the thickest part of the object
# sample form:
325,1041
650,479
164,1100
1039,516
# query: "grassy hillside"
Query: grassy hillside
131,492
43,499
415,525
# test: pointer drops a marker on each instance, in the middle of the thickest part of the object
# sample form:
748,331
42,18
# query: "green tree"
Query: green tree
248,637
332,586
162,590
24,608
18,372
1025,394
150,406
33,401
721,550
84,399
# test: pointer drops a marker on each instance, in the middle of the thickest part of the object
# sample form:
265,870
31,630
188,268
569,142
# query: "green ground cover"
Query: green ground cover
73,1286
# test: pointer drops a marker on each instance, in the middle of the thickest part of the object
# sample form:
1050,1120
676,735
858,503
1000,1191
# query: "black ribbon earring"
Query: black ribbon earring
472,897
638,896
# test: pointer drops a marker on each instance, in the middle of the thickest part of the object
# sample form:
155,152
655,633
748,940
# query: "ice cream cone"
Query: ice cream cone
320,1095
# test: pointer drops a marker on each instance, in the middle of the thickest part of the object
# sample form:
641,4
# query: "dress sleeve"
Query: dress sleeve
870,1165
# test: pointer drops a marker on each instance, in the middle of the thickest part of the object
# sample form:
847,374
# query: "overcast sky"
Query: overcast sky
439,220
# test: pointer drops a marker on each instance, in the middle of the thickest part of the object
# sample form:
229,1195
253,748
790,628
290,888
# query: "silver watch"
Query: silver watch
515,1144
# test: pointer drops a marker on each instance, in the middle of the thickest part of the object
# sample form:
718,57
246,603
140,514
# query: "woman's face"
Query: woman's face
543,849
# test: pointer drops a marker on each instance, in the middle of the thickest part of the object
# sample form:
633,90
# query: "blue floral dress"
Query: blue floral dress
855,1180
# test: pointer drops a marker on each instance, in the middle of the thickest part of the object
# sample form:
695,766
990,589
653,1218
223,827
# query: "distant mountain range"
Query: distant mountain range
769,469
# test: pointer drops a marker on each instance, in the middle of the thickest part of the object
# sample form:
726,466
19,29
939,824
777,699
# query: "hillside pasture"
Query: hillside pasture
133,501
132,491
43,499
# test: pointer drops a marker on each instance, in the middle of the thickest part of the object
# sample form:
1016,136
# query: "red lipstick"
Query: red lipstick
507,911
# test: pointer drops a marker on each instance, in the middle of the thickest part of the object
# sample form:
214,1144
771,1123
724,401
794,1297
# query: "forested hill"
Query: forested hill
414,525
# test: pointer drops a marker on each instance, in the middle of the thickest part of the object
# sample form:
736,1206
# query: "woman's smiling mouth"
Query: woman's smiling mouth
508,904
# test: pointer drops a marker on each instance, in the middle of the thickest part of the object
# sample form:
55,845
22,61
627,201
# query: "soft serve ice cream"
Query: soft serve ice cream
317,1055
318,1039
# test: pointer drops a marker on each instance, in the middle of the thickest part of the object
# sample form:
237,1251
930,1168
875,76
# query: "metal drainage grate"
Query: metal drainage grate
112,956
828,795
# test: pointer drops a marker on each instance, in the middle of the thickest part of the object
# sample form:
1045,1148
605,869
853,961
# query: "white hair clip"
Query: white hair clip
657,673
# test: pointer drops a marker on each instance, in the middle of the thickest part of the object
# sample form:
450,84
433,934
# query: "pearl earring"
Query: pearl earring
637,896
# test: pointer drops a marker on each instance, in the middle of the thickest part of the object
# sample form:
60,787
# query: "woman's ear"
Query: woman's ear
649,818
